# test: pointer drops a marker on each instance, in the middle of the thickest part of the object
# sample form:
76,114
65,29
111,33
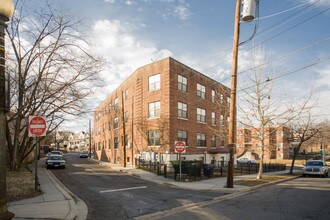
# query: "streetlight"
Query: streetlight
6,11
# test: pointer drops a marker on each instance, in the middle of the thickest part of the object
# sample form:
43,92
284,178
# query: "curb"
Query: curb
78,208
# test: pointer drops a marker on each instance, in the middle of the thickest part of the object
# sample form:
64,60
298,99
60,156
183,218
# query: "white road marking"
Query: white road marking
116,190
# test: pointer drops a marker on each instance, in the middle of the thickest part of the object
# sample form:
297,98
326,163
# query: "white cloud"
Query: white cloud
110,1
324,77
124,53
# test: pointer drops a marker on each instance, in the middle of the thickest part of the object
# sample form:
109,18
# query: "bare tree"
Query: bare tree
261,111
51,72
302,129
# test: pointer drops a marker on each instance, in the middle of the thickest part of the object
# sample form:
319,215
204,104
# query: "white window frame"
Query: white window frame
201,115
155,138
115,122
200,138
182,83
182,110
154,82
213,95
214,121
201,91
154,109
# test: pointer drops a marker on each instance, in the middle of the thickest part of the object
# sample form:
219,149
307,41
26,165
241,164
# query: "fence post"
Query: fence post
250,168
158,168
165,170
150,165
194,171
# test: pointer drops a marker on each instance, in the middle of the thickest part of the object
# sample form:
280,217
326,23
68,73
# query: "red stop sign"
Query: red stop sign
37,126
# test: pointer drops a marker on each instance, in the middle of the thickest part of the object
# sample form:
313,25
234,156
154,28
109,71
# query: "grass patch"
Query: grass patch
20,185
265,179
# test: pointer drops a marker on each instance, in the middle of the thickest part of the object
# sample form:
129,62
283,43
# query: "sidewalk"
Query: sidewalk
212,184
57,201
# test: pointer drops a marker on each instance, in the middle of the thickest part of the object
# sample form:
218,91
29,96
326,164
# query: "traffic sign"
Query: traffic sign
37,126
180,147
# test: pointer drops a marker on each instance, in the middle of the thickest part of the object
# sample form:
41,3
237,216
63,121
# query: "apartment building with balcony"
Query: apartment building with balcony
159,104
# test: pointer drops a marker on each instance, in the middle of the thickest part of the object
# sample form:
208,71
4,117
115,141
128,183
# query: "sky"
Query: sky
128,34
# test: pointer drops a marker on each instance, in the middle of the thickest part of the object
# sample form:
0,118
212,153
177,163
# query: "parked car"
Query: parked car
246,160
55,152
55,161
315,167
84,154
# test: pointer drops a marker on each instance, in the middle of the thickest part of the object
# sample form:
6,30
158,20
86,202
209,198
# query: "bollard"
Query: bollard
165,171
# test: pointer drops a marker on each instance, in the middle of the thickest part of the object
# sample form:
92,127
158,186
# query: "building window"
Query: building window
182,110
213,119
115,122
126,116
280,133
99,131
154,110
221,98
109,125
126,94
213,96
201,115
126,140
154,138
222,141
109,142
228,101
213,141
115,143
201,142
183,136
154,82
200,91
115,106
221,120
182,83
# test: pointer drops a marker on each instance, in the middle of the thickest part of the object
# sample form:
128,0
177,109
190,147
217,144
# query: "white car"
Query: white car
246,160
315,167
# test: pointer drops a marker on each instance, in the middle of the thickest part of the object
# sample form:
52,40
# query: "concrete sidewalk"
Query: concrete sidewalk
56,202
212,184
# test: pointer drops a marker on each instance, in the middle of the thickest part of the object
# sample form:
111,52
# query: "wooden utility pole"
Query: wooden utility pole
124,131
232,113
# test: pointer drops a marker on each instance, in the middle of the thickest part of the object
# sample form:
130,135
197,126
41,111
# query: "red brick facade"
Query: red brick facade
161,101
277,145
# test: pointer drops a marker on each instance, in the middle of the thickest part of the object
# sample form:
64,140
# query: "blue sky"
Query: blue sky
199,33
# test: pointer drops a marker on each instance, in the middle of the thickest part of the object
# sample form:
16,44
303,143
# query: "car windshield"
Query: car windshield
55,158
84,152
56,152
314,163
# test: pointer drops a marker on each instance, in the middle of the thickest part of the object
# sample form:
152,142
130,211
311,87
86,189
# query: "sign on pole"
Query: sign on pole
180,147
37,126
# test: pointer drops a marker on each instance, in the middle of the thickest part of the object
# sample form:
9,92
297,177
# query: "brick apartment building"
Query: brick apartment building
160,103
277,143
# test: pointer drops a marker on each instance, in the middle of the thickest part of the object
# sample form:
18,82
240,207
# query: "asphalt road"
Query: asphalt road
110,194
302,198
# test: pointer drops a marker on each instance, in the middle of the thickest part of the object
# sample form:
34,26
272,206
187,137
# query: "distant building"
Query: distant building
277,143
159,104
78,141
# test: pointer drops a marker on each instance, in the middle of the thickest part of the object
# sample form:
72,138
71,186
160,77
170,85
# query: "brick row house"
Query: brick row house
160,103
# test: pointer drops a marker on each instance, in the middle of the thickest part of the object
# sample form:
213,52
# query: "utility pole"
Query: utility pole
232,113
132,132
124,132
247,16
6,11
90,139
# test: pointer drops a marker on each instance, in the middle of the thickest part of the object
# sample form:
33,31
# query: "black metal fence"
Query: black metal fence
198,170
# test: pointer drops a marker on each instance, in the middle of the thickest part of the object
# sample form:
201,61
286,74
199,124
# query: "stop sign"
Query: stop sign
180,147
37,126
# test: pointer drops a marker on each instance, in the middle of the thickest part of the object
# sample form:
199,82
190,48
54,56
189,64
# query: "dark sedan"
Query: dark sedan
55,161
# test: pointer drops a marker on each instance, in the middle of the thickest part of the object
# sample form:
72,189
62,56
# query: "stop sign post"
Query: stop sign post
180,147
37,127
